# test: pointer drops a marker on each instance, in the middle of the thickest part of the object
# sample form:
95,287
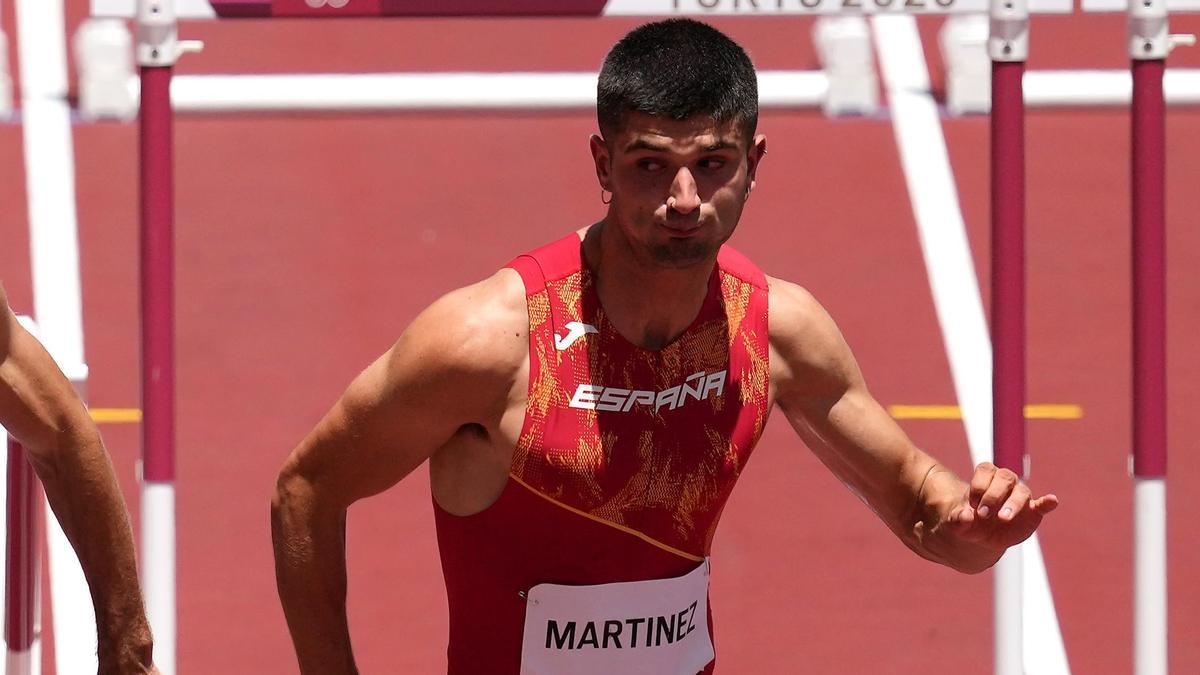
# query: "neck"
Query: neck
649,303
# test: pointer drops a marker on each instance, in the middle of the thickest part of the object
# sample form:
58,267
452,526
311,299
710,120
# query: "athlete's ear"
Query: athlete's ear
603,159
758,150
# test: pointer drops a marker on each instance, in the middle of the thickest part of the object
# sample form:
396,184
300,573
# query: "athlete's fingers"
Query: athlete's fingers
967,526
1002,484
980,482
962,516
1016,503
1044,505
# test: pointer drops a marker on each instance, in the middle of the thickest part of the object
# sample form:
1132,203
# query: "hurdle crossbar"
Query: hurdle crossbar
532,91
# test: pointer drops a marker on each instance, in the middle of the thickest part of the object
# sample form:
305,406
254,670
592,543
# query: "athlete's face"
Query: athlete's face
678,186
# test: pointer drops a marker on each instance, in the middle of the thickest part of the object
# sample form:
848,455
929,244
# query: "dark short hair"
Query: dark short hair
677,68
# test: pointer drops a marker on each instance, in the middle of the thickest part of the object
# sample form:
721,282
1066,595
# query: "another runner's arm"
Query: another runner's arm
39,407
822,392
453,367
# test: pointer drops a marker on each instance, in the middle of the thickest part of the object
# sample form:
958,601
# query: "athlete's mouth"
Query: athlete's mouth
681,229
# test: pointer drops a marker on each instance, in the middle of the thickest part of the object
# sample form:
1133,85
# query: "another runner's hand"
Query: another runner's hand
999,510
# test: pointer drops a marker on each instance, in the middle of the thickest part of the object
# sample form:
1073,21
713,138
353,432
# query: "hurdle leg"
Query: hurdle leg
158,48
22,564
1149,44
1008,47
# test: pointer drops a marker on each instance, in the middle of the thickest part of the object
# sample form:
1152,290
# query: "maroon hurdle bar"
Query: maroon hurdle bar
21,562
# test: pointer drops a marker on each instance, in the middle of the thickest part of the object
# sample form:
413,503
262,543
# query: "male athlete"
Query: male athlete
586,411
40,409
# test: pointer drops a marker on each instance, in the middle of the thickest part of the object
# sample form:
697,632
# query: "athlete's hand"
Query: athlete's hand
999,510
129,652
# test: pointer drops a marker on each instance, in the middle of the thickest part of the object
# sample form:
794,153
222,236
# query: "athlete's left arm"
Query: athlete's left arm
39,407
818,385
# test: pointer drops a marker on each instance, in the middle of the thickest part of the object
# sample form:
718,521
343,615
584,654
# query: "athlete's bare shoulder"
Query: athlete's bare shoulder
808,352
474,335
795,318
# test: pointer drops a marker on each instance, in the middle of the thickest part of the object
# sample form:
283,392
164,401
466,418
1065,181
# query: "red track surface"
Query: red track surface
305,244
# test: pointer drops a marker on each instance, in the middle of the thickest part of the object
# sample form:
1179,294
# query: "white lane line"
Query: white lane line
956,296
54,244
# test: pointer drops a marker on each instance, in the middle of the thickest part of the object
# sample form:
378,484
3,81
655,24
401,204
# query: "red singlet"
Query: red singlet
625,459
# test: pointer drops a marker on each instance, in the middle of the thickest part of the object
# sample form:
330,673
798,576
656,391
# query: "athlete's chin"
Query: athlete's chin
683,252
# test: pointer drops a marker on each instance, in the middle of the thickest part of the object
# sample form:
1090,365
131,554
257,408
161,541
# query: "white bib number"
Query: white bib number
658,627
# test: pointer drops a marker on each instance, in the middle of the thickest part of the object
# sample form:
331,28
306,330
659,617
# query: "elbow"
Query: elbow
54,453
297,503
301,518
291,490
287,512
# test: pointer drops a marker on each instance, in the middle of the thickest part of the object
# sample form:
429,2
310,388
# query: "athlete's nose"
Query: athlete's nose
683,197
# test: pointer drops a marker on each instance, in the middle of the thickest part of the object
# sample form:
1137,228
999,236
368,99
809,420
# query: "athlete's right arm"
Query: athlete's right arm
455,365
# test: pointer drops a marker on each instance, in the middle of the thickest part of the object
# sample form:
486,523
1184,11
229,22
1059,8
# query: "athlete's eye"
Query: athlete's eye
712,163
648,164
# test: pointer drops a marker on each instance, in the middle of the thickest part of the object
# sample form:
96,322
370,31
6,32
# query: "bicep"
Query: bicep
389,420
452,367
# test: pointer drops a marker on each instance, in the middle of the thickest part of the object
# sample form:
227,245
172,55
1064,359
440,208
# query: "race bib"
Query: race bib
658,627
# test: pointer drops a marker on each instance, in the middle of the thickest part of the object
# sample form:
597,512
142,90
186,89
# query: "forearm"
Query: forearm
310,571
80,485
39,406
914,494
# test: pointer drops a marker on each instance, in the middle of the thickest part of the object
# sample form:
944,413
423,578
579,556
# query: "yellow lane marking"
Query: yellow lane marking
1046,411
116,415
1049,411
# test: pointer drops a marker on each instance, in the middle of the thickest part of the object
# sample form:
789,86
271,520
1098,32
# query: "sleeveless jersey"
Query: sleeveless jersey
625,459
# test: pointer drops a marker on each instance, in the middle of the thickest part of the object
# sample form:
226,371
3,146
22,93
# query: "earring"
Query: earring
602,199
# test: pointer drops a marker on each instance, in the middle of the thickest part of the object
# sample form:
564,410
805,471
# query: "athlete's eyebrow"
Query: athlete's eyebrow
645,144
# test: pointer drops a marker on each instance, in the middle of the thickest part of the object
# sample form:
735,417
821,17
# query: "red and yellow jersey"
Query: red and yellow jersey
626,456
